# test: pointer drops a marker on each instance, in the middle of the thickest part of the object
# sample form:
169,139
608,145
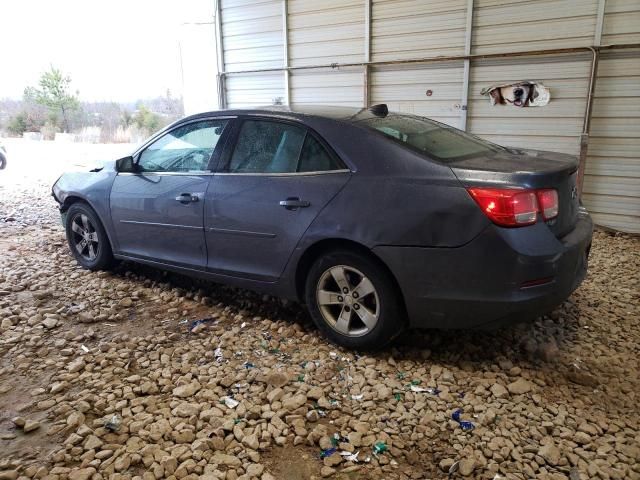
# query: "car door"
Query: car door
272,183
157,209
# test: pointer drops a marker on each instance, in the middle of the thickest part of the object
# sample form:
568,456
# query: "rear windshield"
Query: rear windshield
437,140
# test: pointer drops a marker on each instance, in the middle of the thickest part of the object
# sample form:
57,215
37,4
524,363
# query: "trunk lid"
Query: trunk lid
529,169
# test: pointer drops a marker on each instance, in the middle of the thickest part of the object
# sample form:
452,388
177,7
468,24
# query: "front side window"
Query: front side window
435,139
187,148
274,147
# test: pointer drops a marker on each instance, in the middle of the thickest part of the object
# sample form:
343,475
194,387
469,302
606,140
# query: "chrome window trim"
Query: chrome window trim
284,174
198,173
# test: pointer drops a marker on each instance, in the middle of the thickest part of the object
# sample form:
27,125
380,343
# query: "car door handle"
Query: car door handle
292,203
187,198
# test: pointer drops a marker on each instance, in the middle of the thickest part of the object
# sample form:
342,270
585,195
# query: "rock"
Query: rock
187,390
92,443
224,459
466,466
255,470
185,409
30,426
277,379
582,438
315,393
327,471
251,441
76,365
8,474
332,460
550,453
19,421
499,391
82,473
58,387
294,402
519,387
355,438
445,464
275,395
50,323
126,302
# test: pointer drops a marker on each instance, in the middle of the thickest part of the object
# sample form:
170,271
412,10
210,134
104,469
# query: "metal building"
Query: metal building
433,57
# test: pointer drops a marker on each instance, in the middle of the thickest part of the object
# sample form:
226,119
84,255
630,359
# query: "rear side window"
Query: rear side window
274,147
437,140
315,157
267,147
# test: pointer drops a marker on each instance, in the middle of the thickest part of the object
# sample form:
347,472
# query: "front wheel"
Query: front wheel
353,300
87,238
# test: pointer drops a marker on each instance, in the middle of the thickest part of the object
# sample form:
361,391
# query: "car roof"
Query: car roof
298,112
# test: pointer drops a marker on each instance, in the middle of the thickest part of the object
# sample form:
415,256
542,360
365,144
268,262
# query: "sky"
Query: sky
113,50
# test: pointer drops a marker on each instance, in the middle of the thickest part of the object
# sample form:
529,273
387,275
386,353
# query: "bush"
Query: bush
18,124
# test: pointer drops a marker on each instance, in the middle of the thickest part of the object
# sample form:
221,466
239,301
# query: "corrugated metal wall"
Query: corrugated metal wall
331,31
334,31
252,39
402,29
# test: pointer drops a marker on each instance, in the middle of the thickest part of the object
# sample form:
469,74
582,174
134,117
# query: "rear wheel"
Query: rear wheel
87,238
353,301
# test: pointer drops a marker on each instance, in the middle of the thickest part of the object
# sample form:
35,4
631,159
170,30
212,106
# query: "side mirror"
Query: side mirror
126,164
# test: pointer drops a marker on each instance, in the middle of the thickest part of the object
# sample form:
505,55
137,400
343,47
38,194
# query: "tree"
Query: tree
18,124
146,120
54,94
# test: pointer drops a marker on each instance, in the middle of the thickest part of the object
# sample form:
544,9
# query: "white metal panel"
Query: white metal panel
327,87
621,22
508,26
252,38
255,89
404,29
612,177
326,32
405,89
555,127
413,28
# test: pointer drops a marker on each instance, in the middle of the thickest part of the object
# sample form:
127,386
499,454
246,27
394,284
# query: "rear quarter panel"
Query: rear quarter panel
395,196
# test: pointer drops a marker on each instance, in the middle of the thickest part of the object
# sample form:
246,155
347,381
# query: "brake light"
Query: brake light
510,207
548,201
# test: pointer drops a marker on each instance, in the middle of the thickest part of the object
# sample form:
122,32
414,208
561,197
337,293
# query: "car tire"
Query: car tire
87,238
366,312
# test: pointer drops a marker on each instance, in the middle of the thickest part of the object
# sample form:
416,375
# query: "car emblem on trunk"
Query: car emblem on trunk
574,193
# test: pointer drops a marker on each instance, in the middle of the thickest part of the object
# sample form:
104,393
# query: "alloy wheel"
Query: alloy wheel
84,237
348,301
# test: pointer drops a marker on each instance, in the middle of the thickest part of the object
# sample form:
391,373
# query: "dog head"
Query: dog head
517,95
521,94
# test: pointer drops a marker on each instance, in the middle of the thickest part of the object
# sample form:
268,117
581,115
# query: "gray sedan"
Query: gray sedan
376,220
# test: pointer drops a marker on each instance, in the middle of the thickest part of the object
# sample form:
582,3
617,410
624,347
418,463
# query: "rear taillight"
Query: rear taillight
510,207
548,201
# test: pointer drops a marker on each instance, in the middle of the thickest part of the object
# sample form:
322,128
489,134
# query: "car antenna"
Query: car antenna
379,110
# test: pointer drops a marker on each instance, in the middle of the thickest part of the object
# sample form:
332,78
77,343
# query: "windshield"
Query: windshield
438,140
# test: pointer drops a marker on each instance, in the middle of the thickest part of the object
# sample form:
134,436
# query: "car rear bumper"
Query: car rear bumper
504,275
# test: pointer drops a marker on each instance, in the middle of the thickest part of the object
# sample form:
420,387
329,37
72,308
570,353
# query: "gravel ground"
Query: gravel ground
101,376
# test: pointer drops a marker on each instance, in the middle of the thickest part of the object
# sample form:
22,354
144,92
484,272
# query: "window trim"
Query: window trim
226,156
213,159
